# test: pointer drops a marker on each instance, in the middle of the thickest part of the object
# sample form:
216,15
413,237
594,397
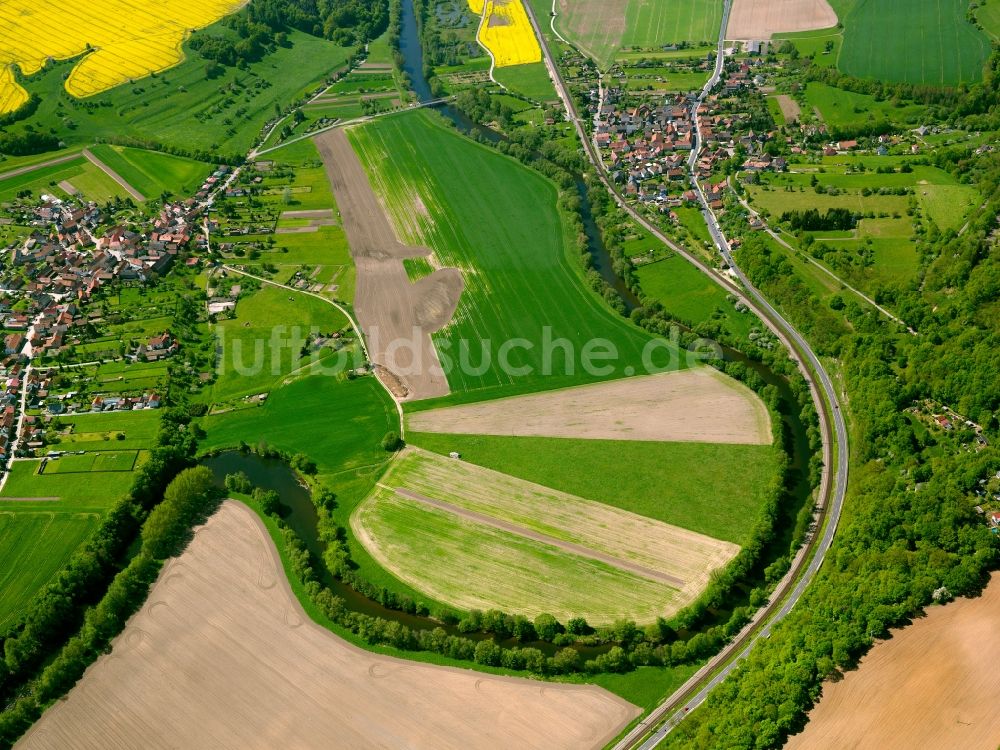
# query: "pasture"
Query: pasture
497,222
531,80
846,111
687,294
924,687
682,484
988,15
120,431
258,667
92,492
913,41
263,344
472,565
34,546
153,173
338,423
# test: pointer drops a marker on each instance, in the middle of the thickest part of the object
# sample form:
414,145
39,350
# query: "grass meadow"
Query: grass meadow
913,41
683,484
182,107
89,180
153,173
531,79
498,222
690,296
846,110
34,546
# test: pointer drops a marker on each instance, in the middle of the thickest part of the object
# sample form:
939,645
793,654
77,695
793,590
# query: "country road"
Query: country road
114,176
648,733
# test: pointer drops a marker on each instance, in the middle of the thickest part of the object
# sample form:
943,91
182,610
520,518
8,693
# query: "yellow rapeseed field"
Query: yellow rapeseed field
128,39
506,32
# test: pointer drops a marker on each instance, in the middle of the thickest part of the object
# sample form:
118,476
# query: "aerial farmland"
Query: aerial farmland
490,373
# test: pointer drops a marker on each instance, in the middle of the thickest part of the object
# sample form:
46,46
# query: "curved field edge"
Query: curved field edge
499,222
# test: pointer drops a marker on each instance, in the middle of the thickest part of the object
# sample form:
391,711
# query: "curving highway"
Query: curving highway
654,728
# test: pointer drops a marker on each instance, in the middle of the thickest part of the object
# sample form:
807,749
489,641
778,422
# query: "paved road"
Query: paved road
834,430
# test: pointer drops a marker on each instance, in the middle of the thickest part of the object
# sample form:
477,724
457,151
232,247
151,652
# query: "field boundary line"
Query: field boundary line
41,165
537,536
113,175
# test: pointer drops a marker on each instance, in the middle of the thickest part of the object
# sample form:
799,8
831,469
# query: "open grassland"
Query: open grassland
761,19
692,297
497,222
472,565
683,484
927,686
531,80
847,110
338,423
595,26
33,548
61,180
259,669
988,15
93,491
654,23
120,40
153,173
668,553
914,41
814,44
182,107
114,431
697,405
263,344
506,32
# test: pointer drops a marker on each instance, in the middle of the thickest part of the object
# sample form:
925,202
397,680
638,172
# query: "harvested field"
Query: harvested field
929,686
789,107
697,405
397,316
760,19
222,655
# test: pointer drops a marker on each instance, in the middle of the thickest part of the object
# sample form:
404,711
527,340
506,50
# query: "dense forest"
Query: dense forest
910,527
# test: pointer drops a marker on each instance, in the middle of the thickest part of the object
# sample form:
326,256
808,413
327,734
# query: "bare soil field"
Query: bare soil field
760,19
396,315
932,685
697,405
223,656
789,107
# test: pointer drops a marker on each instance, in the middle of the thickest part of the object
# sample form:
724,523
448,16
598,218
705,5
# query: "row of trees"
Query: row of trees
911,526
71,621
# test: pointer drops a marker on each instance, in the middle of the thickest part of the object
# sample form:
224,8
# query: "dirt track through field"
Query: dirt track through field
574,549
396,315
934,684
697,405
222,656
114,176
790,108
761,19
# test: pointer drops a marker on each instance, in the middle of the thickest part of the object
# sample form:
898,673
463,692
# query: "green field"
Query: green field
988,14
95,492
531,80
846,110
815,44
655,23
34,546
913,41
89,180
683,484
182,107
498,221
88,462
114,431
262,345
474,566
686,293
153,173
338,423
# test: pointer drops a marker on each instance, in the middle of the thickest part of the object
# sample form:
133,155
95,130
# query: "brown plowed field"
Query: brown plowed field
760,19
933,685
222,656
698,405
396,315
